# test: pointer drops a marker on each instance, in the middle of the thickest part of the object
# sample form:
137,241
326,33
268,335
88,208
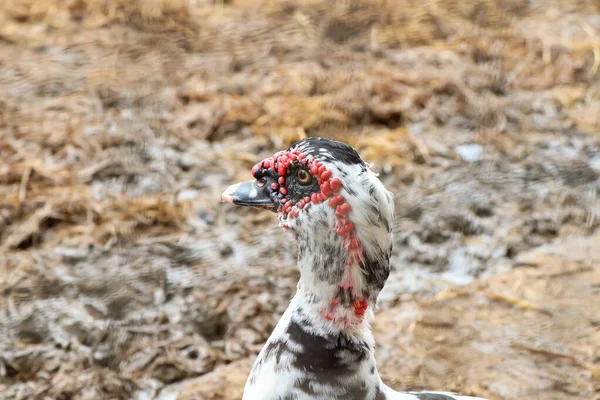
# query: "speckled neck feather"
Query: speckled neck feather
322,348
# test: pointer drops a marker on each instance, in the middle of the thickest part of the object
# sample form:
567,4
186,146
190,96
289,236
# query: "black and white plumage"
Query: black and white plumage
341,216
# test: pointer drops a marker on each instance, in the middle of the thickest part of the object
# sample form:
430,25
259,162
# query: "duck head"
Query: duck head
341,216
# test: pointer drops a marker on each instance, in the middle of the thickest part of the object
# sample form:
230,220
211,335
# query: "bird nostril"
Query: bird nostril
261,182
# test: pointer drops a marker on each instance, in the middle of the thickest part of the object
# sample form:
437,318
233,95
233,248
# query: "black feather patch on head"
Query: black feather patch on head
329,150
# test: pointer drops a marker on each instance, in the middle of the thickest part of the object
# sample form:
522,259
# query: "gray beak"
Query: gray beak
250,193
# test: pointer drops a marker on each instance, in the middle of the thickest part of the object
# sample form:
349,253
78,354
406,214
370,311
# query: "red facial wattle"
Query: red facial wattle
280,164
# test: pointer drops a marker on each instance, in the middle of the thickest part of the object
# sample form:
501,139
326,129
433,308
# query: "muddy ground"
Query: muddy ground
122,276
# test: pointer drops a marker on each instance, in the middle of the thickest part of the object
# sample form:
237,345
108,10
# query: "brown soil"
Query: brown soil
122,276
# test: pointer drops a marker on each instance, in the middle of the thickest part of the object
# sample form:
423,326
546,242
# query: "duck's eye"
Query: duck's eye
261,182
303,177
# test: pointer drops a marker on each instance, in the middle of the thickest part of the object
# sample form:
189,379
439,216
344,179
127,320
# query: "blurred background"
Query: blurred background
122,276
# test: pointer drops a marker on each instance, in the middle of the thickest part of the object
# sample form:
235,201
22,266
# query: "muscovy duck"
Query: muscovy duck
341,215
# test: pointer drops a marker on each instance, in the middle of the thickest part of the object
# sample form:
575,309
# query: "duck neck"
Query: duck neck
308,358
340,279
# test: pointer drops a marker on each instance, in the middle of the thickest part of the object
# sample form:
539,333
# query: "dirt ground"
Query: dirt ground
122,276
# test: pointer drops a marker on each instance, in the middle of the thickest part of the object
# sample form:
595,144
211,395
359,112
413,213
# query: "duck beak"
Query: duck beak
249,193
